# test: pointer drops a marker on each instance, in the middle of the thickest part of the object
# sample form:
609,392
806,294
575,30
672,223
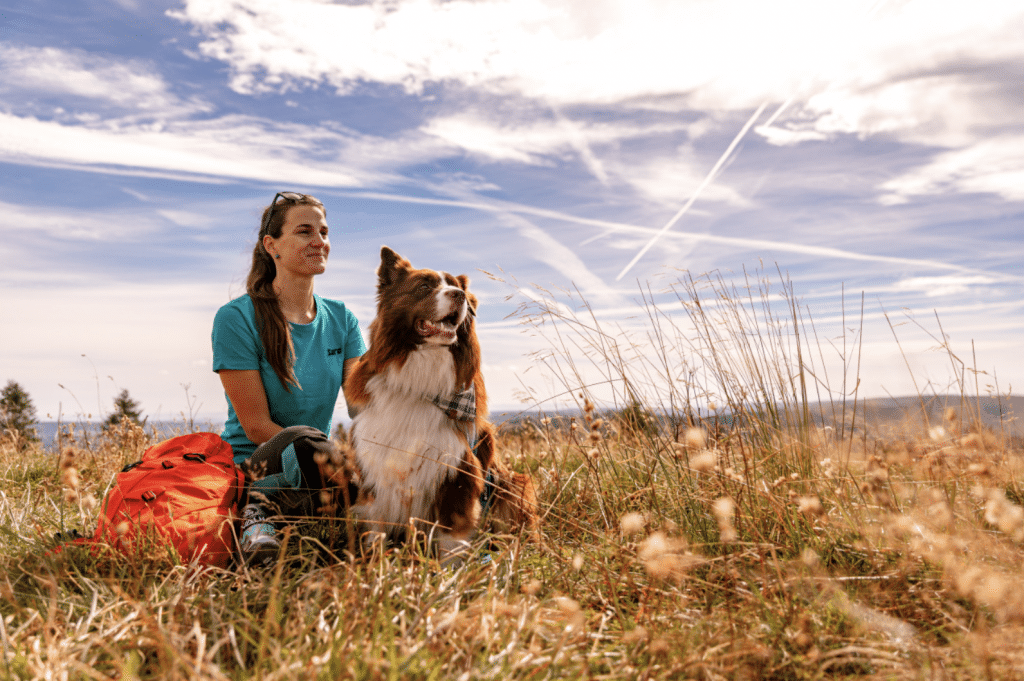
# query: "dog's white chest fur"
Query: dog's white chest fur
405,445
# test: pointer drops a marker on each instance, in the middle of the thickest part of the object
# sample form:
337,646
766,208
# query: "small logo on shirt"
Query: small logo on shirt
334,351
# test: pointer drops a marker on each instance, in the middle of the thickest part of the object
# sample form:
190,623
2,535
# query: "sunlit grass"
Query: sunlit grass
717,507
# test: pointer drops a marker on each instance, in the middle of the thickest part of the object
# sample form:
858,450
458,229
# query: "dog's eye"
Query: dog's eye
424,286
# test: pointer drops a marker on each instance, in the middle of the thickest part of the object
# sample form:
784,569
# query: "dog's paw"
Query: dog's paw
452,552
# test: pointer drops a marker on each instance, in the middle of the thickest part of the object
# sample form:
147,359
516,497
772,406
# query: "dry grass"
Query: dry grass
746,541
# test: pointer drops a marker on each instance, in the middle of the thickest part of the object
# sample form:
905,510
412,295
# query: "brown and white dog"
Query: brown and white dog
423,444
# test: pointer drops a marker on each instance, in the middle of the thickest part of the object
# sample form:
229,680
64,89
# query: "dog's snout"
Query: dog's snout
457,295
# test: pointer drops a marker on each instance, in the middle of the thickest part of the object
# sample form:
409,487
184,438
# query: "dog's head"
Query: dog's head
422,306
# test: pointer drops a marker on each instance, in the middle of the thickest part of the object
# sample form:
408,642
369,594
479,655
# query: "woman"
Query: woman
281,351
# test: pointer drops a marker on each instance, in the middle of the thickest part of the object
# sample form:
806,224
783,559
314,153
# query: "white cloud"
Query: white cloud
122,86
39,225
229,147
538,140
990,166
946,285
728,53
933,72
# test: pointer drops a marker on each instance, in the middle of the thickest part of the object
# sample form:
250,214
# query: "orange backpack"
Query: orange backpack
187,489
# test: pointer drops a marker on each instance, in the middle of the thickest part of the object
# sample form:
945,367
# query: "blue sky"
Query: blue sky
874,148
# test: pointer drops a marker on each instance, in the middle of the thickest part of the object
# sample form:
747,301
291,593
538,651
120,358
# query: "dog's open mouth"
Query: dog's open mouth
444,328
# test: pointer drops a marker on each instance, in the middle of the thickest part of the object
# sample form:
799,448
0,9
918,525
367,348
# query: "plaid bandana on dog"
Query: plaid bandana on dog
461,408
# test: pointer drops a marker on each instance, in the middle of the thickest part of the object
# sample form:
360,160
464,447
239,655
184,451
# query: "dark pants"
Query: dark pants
284,473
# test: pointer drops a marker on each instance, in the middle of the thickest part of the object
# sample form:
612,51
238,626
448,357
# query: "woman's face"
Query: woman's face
303,244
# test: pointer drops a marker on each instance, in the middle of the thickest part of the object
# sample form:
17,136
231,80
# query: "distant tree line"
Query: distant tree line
18,415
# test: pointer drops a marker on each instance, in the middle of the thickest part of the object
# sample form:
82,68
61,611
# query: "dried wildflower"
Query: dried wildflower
724,510
594,454
695,438
122,528
69,478
532,588
596,424
577,562
1005,515
546,421
733,475
631,523
89,502
704,462
937,433
595,436
571,611
659,647
810,505
979,469
809,558
666,557
940,513
635,636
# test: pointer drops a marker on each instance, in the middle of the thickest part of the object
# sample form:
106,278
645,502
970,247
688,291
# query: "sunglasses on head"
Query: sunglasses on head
288,196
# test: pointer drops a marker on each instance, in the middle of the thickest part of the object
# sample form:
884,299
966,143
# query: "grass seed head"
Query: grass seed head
724,510
636,635
704,462
1005,515
810,505
532,587
695,438
632,523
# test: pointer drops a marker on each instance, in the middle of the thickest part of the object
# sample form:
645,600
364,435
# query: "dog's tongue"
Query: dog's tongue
428,329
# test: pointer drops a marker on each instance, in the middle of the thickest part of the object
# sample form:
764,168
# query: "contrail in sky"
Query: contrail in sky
707,180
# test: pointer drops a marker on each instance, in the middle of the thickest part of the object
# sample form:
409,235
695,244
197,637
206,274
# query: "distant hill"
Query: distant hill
914,414
884,416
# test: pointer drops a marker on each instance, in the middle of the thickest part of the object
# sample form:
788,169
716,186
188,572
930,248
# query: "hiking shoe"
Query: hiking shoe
258,543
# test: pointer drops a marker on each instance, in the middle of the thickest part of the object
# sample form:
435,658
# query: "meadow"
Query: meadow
717,507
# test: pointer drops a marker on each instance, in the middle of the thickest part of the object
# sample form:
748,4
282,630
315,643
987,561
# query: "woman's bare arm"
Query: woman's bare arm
346,371
245,390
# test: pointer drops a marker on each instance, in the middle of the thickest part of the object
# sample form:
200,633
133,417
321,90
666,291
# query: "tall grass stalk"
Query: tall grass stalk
716,506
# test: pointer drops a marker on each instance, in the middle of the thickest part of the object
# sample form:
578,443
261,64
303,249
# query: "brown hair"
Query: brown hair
273,327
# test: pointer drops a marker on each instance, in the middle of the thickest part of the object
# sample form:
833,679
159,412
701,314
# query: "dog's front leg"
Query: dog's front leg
458,510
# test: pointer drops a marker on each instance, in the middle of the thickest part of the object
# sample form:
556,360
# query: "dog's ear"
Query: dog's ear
471,300
391,267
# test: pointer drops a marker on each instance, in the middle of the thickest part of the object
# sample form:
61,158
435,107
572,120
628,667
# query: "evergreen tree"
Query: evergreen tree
125,408
17,413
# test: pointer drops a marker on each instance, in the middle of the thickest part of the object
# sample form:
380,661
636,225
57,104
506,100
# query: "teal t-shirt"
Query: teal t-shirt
321,348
